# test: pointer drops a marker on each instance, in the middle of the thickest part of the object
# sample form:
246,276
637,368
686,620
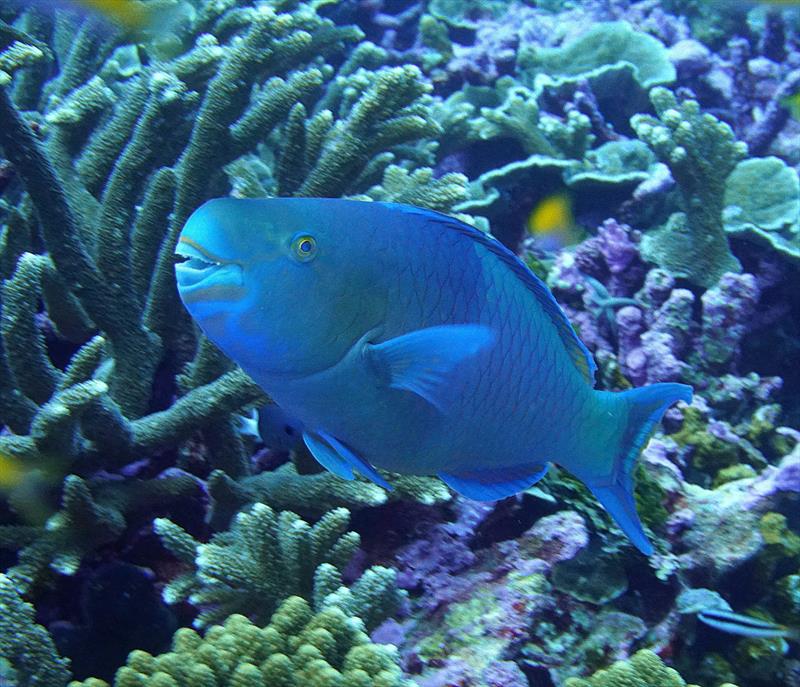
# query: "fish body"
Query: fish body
406,340
792,104
552,222
745,625
131,15
12,472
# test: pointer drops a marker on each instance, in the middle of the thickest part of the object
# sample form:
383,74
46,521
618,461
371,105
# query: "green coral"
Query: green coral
700,152
26,646
266,557
612,56
315,492
17,56
124,149
643,669
91,516
762,202
615,163
298,648
465,14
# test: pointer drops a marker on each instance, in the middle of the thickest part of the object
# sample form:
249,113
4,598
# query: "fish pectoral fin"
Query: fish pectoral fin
494,484
423,361
333,455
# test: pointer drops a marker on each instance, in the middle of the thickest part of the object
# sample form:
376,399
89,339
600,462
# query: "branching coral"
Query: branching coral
267,556
123,150
25,645
701,152
85,522
297,648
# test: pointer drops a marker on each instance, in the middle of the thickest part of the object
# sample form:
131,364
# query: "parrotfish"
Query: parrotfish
406,340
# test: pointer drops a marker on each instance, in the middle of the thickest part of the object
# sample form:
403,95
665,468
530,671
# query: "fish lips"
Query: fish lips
200,275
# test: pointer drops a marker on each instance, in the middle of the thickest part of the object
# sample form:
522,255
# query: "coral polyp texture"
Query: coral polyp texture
297,647
163,525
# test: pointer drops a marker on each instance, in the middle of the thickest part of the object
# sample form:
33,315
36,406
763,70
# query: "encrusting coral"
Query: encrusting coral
297,648
643,669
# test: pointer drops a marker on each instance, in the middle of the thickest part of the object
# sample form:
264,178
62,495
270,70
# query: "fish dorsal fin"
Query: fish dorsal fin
577,351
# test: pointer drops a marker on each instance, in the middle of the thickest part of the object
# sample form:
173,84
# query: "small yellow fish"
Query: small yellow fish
552,221
132,15
26,487
792,103
12,472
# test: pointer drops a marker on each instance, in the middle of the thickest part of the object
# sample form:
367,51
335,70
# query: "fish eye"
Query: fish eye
304,247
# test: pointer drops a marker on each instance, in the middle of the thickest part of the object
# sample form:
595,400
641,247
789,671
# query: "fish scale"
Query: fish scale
411,342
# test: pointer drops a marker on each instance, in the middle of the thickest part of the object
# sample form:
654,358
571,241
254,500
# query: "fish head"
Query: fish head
283,286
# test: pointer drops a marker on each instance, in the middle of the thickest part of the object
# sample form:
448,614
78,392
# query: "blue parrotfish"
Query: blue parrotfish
406,340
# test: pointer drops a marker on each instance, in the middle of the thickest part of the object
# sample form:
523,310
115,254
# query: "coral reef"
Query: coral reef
670,131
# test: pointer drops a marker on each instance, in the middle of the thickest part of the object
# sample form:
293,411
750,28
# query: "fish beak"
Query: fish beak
201,268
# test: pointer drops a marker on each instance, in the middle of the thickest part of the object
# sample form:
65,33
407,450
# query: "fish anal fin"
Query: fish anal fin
494,484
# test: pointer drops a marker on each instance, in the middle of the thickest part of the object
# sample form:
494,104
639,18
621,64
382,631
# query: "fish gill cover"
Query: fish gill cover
133,503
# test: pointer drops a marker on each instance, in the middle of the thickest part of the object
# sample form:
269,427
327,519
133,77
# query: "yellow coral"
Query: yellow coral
643,669
298,648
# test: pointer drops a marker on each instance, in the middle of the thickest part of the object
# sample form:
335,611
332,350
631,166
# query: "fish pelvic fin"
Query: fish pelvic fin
646,406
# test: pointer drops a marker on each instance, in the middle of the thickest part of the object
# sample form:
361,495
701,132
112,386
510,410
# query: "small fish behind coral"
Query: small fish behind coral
792,103
552,222
745,625
137,16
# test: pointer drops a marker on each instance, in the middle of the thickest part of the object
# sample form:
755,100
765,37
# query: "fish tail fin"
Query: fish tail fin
645,406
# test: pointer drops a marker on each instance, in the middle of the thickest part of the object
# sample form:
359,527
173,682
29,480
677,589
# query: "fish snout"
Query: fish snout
200,268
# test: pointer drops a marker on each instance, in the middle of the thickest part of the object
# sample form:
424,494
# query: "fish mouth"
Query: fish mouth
200,267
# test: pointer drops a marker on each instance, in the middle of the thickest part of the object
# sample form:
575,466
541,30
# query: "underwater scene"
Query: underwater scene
399,343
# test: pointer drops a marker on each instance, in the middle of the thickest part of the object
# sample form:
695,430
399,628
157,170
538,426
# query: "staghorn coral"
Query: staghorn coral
123,151
701,152
85,522
26,646
298,647
267,556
